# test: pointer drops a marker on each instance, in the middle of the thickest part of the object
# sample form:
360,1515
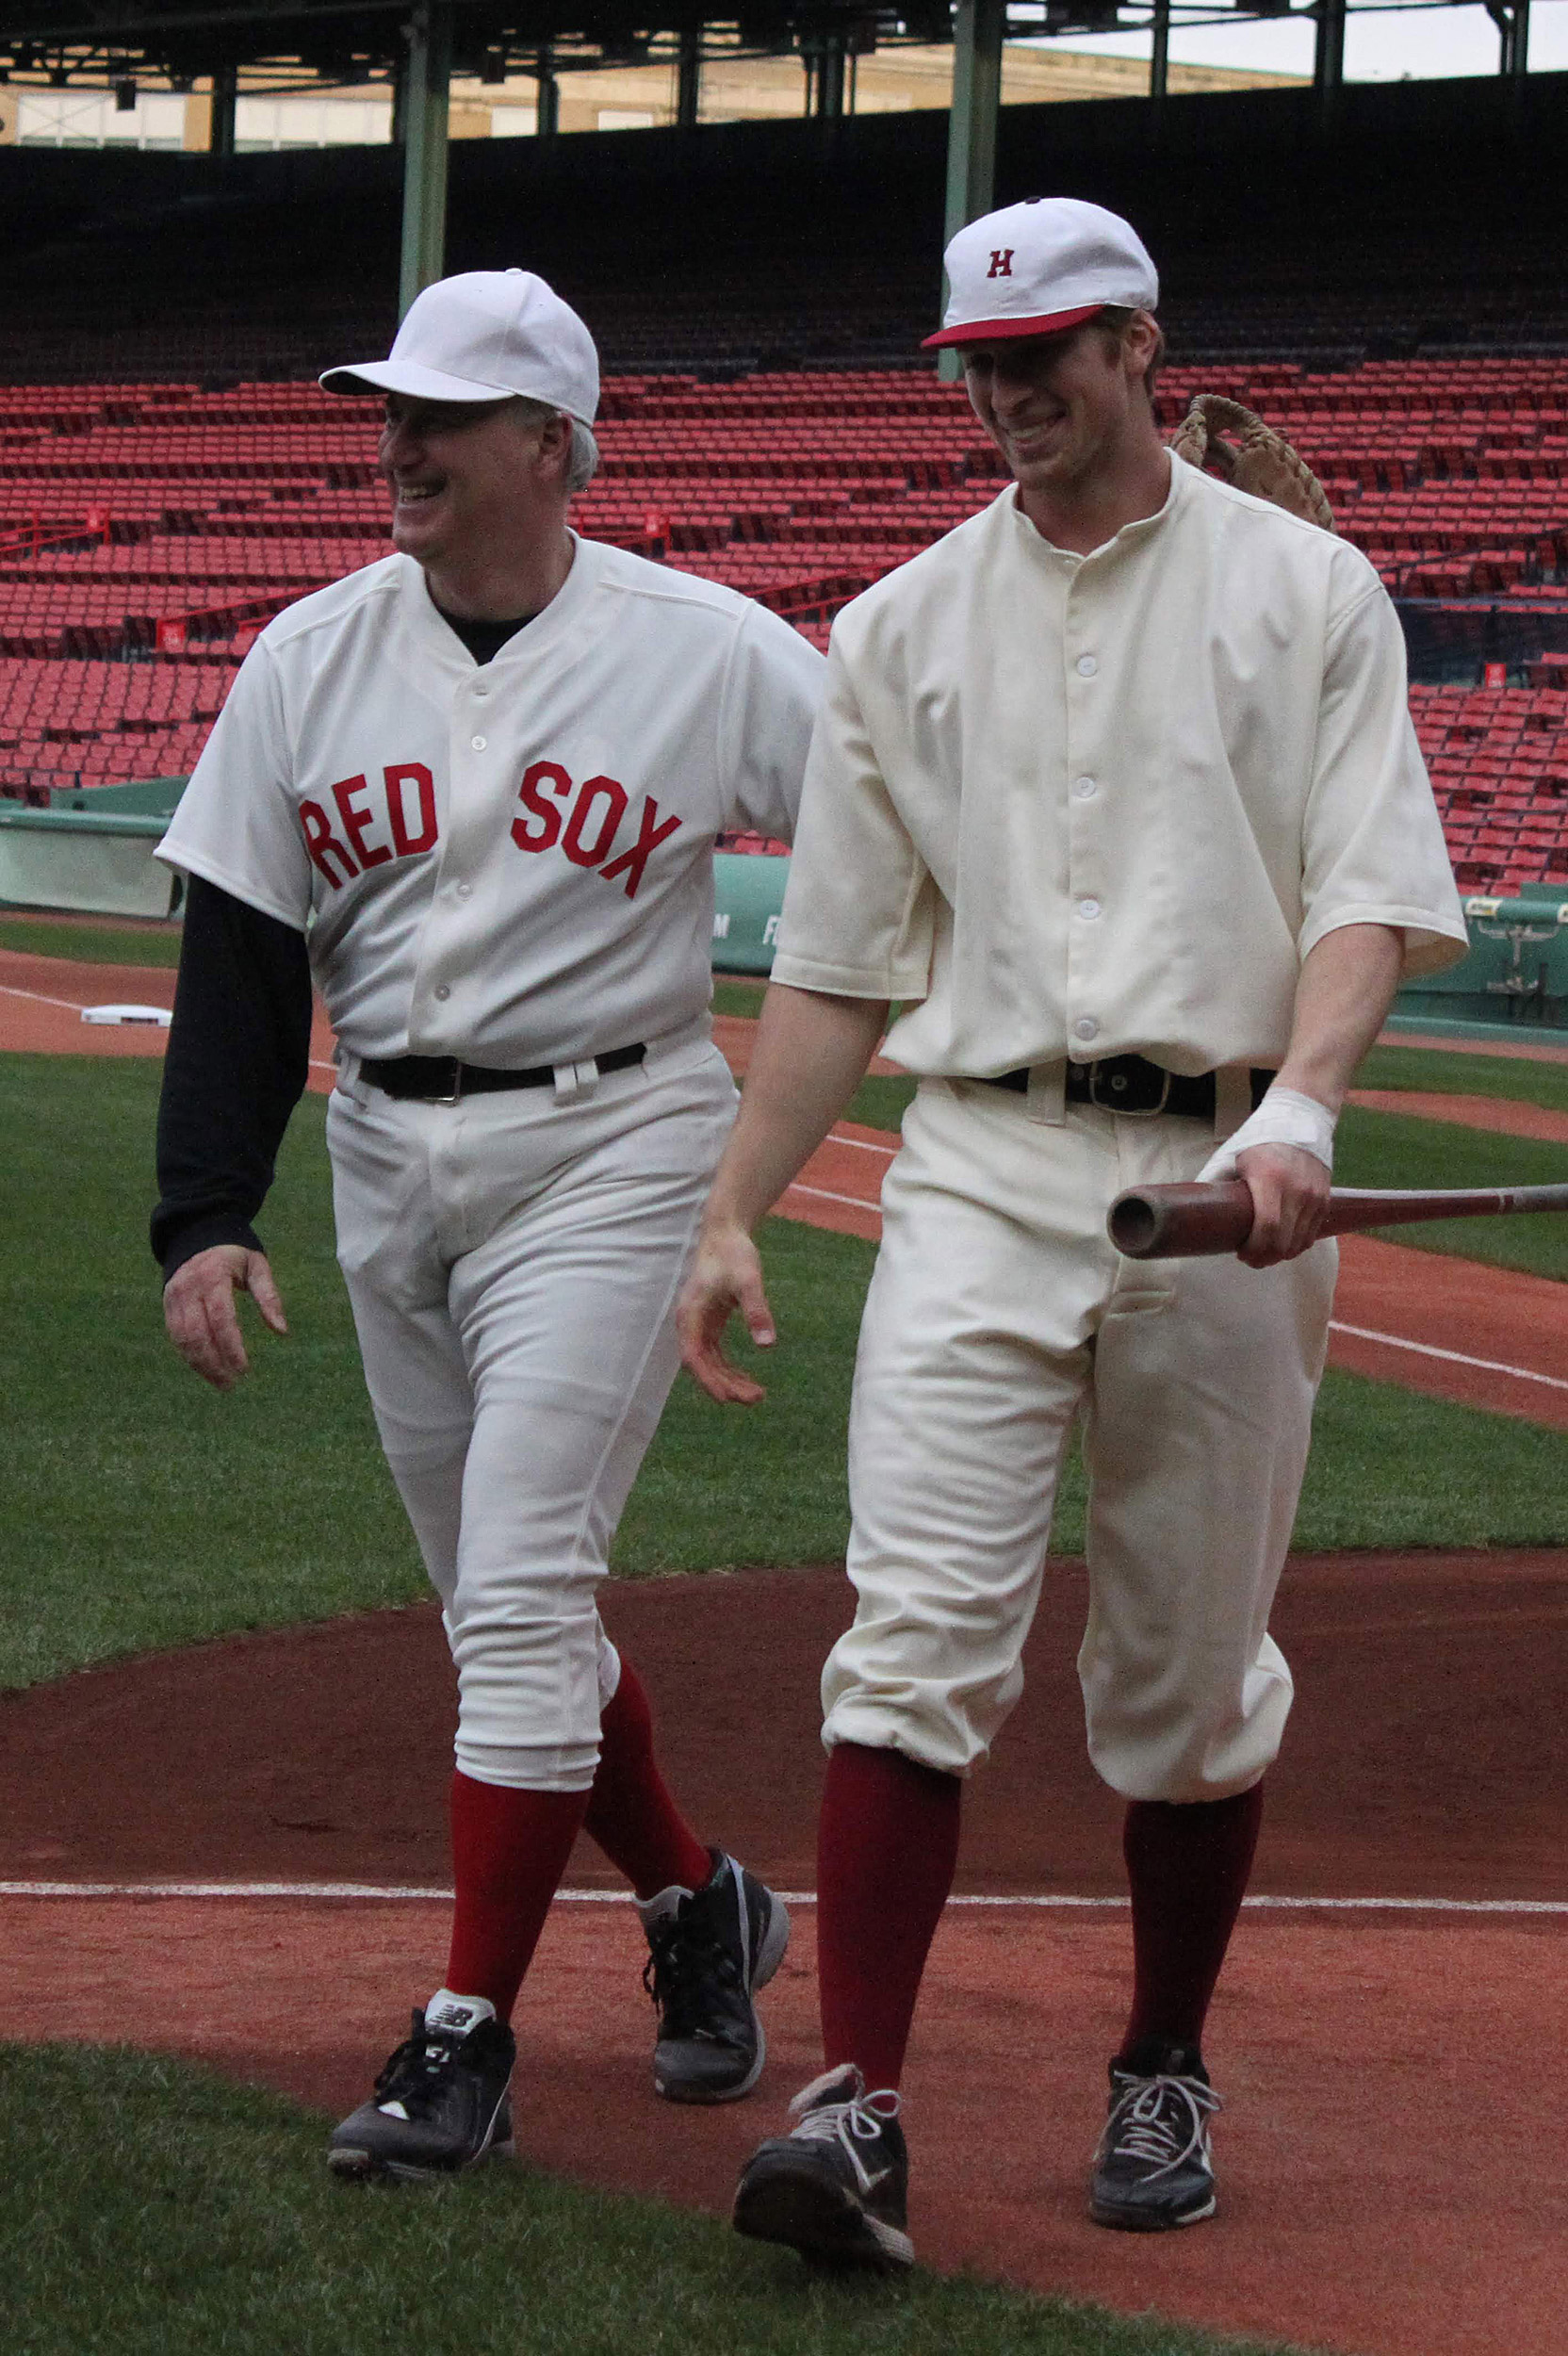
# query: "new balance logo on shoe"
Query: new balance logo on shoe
439,2106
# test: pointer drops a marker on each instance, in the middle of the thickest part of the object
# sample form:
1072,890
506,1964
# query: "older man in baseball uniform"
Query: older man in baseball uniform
473,790
1115,791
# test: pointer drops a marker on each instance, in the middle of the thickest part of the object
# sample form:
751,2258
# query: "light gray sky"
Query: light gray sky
1382,44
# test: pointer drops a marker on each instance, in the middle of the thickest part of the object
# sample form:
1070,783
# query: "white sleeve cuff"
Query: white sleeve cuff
1285,1118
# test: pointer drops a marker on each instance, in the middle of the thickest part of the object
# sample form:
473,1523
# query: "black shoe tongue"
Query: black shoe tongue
1160,2057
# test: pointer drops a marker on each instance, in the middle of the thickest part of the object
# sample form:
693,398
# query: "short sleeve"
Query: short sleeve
236,824
770,698
858,918
1373,851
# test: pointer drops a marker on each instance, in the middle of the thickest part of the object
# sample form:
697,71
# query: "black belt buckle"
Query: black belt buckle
1130,1083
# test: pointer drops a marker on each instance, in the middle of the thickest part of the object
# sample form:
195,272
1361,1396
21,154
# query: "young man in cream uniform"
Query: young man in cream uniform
1116,793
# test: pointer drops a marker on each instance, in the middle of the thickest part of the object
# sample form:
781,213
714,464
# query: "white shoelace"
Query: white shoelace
1141,2128
859,2119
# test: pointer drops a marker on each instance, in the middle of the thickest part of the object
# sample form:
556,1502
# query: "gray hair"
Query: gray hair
583,463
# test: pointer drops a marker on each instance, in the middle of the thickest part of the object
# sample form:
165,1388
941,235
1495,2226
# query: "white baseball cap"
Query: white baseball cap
1031,268
485,335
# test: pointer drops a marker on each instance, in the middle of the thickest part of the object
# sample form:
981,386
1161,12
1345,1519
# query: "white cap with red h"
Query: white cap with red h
1036,267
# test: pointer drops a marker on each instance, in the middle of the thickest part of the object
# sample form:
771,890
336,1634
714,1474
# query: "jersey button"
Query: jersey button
1084,789
478,743
480,689
1087,666
464,892
1085,1027
442,990
1089,911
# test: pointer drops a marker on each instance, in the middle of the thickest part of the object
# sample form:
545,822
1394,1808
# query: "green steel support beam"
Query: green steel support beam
830,76
547,122
1328,55
427,81
977,29
688,98
1513,20
225,91
1159,55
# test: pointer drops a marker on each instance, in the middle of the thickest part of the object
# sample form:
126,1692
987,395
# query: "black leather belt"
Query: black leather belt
1130,1084
442,1080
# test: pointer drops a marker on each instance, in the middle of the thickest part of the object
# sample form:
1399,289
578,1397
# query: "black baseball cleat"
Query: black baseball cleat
440,2104
1153,2168
709,1950
836,2188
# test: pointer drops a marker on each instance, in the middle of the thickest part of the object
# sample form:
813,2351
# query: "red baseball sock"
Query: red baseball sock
886,1846
509,1852
630,1812
1188,1867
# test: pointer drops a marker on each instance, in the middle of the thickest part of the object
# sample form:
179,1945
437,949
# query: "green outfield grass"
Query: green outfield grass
1448,1071
1393,1150
94,944
144,1510
156,2211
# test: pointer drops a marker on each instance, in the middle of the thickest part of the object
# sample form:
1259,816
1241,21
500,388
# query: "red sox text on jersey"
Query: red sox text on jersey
399,820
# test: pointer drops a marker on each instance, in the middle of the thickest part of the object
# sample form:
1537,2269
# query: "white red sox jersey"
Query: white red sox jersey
1076,805
505,863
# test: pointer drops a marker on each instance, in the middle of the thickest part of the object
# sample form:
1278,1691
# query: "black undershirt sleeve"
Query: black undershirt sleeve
238,1055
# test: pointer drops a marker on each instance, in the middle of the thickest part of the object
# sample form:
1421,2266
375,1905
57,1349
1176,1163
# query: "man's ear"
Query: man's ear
555,446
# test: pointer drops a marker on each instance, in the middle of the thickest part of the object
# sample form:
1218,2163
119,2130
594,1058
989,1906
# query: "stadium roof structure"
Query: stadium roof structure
419,44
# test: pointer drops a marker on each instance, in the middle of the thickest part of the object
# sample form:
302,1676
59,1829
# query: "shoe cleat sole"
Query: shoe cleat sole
1131,2220
798,2210
353,2165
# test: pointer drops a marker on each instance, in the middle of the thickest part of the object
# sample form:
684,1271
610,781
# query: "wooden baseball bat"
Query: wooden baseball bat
1181,1222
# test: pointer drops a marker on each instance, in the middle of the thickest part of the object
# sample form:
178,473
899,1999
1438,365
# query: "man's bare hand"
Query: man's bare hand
726,1274
1290,1202
200,1313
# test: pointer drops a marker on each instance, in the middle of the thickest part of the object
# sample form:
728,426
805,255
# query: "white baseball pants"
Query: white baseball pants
513,1263
1000,1312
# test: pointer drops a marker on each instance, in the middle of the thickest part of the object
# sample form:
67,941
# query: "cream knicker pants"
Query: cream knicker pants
513,1263
999,1314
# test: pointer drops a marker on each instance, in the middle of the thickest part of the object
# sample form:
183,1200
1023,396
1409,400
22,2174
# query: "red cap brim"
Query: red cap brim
993,330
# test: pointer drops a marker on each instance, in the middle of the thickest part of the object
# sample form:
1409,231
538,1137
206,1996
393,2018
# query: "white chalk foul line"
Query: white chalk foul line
1356,1332
72,1005
1454,1357
76,1005
1052,1901
824,1194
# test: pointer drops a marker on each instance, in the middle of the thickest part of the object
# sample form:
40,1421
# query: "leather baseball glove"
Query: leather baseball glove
1257,459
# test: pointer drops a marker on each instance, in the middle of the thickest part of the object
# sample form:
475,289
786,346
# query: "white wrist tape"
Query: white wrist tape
1285,1118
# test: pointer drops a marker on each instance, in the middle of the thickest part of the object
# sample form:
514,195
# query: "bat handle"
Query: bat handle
1211,1219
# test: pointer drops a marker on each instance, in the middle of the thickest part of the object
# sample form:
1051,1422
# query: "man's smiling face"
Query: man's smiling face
462,477
1060,408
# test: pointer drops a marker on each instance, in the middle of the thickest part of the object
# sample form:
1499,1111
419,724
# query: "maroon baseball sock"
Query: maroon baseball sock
1188,1867
630,1812
886,1846
509,1852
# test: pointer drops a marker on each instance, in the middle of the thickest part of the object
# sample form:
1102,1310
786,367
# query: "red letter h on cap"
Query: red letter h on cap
1001,262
